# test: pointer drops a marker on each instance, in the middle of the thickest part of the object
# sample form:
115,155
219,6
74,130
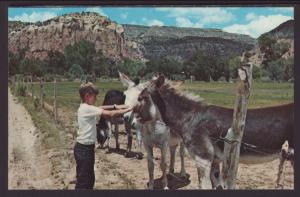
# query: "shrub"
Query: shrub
21,89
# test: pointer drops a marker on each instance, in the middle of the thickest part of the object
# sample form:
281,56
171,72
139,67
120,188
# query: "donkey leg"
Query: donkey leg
291,156
172,158
117,136
203,169
109,134
181,151
215,175
149,151
163,166
139,139
129,136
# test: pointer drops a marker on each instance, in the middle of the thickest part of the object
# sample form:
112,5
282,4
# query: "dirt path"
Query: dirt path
33,167
27,168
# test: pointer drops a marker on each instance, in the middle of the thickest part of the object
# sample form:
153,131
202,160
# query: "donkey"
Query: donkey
155,133
203,127
105,125
132,93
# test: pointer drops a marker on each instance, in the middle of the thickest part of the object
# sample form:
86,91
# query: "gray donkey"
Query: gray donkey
132,93
155,133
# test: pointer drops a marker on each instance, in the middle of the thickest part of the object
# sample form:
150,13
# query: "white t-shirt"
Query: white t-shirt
87,115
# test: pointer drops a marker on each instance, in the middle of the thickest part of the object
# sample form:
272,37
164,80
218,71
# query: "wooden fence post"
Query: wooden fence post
54,102
14,83
41,93
32,87
235,133
27,85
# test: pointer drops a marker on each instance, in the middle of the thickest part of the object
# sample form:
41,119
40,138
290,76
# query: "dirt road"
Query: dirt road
31,166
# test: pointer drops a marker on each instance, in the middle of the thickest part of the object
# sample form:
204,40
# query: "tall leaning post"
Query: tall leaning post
235,133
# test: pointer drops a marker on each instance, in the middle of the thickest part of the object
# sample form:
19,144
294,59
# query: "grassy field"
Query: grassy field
223,94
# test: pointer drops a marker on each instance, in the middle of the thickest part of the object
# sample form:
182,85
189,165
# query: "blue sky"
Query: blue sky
251,21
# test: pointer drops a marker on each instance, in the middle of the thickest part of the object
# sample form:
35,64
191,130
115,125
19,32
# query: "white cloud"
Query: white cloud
204,15
259,25
97,10
34,17
155,23
124,15
251,16
185,22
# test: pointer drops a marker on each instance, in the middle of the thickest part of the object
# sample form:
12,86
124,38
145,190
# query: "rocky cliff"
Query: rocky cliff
57,33
119,41
283,31
282,34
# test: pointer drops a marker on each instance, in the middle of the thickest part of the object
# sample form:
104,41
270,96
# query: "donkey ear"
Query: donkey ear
125,80
160,81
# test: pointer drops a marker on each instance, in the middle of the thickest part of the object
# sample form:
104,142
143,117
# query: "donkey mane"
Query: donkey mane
188,98
157,100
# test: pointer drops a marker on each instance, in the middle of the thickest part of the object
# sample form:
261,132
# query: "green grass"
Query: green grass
48,130
218,93
262,94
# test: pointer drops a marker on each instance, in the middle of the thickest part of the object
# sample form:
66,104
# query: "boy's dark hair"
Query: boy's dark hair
88,88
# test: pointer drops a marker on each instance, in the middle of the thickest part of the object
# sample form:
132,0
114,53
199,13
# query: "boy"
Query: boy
85,142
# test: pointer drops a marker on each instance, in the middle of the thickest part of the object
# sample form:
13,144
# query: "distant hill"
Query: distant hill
181,42
283,31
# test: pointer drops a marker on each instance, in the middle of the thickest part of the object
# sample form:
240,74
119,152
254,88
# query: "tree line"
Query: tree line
81,58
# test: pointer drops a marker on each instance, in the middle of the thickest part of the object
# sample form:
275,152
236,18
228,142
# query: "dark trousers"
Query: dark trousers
85,160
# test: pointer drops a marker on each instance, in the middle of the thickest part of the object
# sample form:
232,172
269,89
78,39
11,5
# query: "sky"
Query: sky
252,21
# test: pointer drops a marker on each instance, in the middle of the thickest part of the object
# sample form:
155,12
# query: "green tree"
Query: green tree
169,66
198,65
81,53
233,65
289,69
256,72
265,42
14,61
132,68
13,64
56,62
276,70
76,70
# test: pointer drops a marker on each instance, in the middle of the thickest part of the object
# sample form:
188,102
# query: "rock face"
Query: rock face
117,41
157,42
57,33
284,33
134,41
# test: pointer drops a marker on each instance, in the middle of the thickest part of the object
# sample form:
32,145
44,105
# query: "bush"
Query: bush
21,90
36,103
149,76
49,77
178,77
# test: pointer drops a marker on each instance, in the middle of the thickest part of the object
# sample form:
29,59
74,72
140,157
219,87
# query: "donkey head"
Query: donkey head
145,109
156,84
150,103
132,93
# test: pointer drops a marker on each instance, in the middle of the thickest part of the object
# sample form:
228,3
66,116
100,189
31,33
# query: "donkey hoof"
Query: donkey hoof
139,156
109,151
219,187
